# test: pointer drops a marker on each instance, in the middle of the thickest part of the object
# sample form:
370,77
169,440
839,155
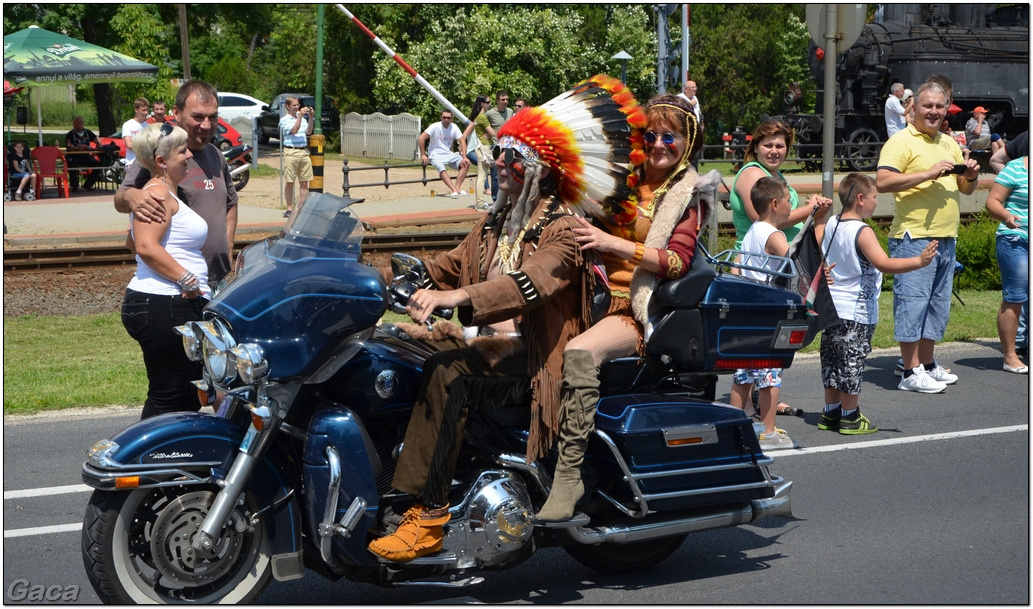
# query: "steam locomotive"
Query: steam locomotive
984,51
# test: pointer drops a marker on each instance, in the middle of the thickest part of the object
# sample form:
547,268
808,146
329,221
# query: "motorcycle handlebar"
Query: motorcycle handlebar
399,293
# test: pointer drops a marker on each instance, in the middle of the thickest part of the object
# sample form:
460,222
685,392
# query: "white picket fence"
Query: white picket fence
379,136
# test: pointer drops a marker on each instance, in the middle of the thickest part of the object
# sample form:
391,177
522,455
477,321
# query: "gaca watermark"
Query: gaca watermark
23,590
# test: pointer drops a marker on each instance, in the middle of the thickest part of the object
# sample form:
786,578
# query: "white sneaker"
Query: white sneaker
455,195
899,370
921,382
943,375
777,440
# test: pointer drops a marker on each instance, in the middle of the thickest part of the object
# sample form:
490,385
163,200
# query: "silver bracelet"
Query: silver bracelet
189,282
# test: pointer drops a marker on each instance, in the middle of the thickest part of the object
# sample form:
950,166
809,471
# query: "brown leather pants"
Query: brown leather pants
456,379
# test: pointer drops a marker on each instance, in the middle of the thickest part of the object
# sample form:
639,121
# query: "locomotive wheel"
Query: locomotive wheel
614,558
862,151
137,548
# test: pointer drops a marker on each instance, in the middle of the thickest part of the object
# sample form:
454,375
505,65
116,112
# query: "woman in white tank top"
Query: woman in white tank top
170,287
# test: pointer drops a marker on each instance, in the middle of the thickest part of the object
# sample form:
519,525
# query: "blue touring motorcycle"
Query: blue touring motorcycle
293,471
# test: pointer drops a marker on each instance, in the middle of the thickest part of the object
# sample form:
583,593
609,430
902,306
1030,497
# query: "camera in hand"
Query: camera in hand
959,169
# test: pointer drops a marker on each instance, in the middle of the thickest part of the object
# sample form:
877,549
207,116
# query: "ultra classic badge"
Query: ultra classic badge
386,383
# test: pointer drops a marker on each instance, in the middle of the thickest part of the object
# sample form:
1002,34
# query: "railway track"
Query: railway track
66,258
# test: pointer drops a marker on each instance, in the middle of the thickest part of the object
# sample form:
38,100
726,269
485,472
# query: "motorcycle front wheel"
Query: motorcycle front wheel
136,548
615,558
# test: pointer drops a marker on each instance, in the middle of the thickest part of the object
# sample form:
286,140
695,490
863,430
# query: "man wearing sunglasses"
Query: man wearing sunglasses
441,136
497,116
517,284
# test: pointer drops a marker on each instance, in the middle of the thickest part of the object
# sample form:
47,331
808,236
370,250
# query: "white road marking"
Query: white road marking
897,441
77,488
50,490
57,528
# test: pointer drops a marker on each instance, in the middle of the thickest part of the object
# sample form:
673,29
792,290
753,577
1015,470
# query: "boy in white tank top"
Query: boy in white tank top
856,262
770,197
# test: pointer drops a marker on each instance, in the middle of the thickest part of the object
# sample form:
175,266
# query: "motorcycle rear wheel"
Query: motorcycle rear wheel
136,548
241,179
615,558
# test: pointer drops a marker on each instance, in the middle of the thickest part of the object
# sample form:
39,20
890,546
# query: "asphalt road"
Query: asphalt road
933,509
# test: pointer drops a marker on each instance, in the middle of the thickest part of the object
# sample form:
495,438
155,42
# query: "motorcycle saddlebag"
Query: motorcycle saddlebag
682,452
720,322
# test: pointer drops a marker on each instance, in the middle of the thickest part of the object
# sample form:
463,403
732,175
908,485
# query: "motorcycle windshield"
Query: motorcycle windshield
328,221
302,294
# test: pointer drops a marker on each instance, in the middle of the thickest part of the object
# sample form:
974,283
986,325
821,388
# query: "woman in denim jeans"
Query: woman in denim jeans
1009,202
170,286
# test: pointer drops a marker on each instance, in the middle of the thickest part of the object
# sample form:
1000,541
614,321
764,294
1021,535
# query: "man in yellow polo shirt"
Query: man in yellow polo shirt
927,174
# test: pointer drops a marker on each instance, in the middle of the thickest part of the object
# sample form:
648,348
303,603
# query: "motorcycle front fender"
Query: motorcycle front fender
195,449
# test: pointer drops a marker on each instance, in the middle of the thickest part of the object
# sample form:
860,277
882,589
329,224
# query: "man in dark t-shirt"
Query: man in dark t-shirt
208,188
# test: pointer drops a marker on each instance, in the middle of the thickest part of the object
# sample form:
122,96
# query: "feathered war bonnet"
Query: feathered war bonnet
590,137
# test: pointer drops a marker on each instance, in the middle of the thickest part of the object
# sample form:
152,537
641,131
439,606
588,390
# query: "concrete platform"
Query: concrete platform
91,217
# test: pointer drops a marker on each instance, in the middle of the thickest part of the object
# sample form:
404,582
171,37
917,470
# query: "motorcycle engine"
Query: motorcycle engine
492,523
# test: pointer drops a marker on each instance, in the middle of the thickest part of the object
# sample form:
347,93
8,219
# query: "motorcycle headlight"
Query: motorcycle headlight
251,363
219,361
192,339
100,454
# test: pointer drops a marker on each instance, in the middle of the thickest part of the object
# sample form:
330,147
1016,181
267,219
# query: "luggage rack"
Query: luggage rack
642,499
729,260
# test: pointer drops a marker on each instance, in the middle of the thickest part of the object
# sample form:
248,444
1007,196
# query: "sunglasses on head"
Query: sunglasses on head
650,138
509,155
166,129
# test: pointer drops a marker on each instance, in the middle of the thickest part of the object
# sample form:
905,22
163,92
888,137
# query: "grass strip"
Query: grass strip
52,363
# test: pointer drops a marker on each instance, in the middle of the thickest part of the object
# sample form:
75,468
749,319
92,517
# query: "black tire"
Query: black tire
263,139
241,179
225,144
862,151
616,558
118,542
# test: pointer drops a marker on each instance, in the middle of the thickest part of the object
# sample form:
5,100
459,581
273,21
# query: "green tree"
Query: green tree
742,56
145,37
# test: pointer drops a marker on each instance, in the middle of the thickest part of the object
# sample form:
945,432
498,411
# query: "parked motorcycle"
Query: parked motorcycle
239,160
294,468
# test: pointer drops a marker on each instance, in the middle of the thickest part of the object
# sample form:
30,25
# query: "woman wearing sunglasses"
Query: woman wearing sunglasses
644,241
764,156
170,286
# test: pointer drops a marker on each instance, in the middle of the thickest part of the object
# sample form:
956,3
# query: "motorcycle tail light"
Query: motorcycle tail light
747,362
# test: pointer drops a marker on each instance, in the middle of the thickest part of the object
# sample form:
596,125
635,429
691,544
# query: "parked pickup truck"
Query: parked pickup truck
270,117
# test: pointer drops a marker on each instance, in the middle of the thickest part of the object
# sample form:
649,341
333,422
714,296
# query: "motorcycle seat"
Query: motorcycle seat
687,291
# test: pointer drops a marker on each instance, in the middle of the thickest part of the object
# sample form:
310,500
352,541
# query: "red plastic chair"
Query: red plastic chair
51,164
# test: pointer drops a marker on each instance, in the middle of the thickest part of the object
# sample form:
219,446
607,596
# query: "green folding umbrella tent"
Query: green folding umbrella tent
35,57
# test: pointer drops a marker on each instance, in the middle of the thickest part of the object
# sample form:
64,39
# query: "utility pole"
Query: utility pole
663,45
184,40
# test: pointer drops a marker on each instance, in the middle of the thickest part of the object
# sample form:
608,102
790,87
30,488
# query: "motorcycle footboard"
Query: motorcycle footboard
680,452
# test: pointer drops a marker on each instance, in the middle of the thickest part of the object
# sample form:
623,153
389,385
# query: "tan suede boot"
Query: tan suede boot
577,421
420,533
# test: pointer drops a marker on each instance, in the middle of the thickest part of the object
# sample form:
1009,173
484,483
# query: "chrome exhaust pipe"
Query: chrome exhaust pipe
779,505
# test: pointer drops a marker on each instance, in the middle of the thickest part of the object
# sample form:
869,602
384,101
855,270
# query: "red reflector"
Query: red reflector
684,441
748,363
796,337
257,422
